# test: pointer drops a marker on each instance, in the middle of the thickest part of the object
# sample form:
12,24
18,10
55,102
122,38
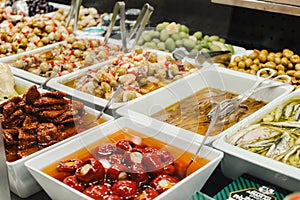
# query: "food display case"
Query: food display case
204,105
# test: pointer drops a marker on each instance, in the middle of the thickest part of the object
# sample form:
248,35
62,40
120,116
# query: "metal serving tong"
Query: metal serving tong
74,11
228,106
137,29
198,58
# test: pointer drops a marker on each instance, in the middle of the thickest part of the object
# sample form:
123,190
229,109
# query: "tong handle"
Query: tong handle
75,7
141,23
119,6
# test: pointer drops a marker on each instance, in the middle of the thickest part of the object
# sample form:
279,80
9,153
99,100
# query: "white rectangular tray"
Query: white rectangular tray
182,190
211,76
238,161
34,77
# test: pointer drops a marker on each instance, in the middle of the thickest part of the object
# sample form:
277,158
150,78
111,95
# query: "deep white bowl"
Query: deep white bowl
238,161
20,180
182,190
211,76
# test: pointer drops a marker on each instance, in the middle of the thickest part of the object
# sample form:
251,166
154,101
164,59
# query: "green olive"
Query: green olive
254,67
232,64
284,61
290,72
297,67
277,60
45,40
281,72
262,57
253,55
49,29
248,62
264,51
106,87
113,83
271,65
280,67
241,64
297,74
152,57
278,54
256,61
295,59
287,53
44,66
237,59
271,57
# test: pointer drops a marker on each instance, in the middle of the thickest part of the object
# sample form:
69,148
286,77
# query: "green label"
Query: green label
250,194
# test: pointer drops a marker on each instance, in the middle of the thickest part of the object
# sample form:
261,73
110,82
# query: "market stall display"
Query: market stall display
166,101
119,134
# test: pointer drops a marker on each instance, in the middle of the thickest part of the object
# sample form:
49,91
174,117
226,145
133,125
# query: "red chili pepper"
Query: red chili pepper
36,42
105,150
148,194
97,192
117,172
152,163
73,182
62,37
124,188
115,159
163,182
111,197
151,149
90,171
133,156
138,173
69,165
62,175
125,145
165,156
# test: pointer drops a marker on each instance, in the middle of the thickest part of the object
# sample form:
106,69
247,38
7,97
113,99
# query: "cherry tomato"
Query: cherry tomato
69,165
148,194
117,172
126,145
152,163
97,192
138,173
105,150
163,182
73,182
124,188
90,171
